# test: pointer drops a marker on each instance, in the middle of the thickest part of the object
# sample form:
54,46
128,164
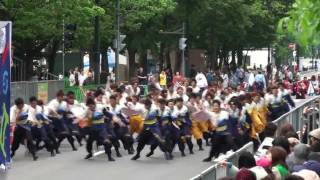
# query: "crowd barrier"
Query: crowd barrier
45,90
305,115
219,171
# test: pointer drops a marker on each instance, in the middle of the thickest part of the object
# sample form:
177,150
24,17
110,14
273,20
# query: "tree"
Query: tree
38,25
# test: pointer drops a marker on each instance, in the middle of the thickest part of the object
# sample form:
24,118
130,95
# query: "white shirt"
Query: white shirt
15,112
33,112
201,80
180,112
54,105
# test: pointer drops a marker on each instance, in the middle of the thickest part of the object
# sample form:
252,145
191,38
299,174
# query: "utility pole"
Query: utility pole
117,41
63,48
182,44
183,50
97,47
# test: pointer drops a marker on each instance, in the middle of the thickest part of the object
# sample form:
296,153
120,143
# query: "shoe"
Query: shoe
57,151
201,149
167,156
74,149
183,154
149,154
111,159
191,152
171,156
35,158
130,151
118,154
88,156
53,154
135,157
207,159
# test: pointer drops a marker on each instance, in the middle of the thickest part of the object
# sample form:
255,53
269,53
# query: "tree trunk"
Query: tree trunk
233,60
52,55
240,57
132,64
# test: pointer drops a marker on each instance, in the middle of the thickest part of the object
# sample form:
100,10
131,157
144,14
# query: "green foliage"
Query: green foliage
303,22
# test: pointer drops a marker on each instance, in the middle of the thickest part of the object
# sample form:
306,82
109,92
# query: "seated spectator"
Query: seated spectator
282,142
245,174
298,156
277,155
309,165
305,174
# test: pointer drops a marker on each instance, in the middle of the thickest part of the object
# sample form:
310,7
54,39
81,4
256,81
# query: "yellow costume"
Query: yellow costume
257,124
136,124
199,127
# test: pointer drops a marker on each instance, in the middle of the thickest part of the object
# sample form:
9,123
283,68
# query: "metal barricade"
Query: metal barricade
307,114
299,116
216,171
26,89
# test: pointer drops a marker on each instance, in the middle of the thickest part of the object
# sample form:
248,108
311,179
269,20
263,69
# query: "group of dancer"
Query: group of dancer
223,118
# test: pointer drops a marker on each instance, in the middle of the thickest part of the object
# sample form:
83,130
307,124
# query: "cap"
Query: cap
315,133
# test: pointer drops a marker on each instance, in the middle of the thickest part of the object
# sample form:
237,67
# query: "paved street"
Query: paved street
71,165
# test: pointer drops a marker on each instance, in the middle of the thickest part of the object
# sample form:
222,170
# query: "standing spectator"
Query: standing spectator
163,79
225,80
202,82
177,79
209,76
193,71
313,88
260,81
277,156
169,76
82,78
76,75
142,77
72,78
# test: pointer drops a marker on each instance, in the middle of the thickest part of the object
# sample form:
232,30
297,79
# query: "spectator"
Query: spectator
72,78
282,142
177,79
245,174
304,174
142,77
277,155
298,156
309,165
163,79
269,134
260,81
225,80
193,71
202,82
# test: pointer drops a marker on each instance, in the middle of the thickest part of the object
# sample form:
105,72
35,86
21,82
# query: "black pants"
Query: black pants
220,144
100,137
145,136
41,134
20,134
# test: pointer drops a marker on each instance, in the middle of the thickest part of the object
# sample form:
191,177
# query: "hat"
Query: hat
263,162
259,171
307,174
315,133
245,174
301,153
310,165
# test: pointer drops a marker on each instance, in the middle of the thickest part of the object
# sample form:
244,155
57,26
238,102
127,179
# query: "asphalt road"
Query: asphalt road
70,165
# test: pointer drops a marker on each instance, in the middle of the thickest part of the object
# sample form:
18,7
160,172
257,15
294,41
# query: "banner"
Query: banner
5,61
43,92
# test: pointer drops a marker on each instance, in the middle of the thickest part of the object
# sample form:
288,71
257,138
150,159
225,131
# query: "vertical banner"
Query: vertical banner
43,92
5,61
86,63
